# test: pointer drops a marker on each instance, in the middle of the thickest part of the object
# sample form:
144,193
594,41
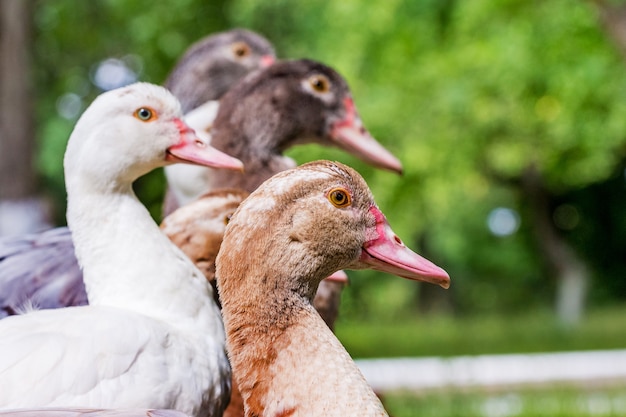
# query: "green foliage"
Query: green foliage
465,92
549,92
462,91
72,38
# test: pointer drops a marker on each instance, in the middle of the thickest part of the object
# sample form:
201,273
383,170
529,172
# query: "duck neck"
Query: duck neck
286,360
127,261
256,149
284,357
257,325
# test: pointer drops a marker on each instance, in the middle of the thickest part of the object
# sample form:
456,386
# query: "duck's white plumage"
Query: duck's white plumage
202,117
89,412
187,182
40,270
152,336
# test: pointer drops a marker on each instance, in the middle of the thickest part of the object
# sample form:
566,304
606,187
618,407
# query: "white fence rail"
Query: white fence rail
495,370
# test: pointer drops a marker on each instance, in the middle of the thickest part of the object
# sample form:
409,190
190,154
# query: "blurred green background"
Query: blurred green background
508,115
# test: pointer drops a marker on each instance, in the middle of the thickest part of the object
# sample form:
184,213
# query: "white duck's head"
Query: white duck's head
127,132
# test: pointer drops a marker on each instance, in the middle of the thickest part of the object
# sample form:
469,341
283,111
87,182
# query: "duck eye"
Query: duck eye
319,83
241,49
339,197
145,114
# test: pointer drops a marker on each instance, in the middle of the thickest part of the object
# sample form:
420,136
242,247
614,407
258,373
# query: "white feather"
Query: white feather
152,336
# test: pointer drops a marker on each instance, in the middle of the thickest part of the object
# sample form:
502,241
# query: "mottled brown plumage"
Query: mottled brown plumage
327,300
271,110
198,228
283,240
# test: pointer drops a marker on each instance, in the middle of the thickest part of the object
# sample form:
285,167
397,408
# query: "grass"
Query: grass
544,402
496,334
453,336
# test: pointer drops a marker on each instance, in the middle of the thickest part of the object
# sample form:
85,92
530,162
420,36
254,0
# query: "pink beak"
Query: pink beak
193,150
267,60
350,135
339,276
386,253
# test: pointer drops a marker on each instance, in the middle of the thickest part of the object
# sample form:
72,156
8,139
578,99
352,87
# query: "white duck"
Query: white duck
297,228
89,412
152,336
40,269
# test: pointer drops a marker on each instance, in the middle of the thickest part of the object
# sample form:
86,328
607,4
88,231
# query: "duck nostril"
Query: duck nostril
398,240
200,144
